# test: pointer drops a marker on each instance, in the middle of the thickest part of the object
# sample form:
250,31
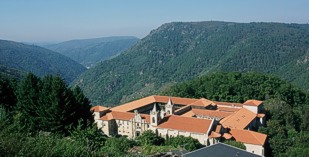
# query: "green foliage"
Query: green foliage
7,95
180,51
117,146
149,138
11,73
90,51
27,101
49,105
37,60
239,87
154,149
187,143
91,137
17,144
235,144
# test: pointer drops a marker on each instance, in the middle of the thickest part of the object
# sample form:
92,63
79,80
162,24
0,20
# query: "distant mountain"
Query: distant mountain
90,51
11,73
180,51
37,60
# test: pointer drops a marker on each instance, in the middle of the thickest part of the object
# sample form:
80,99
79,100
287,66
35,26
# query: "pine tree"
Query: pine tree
7,95
83,104
27,101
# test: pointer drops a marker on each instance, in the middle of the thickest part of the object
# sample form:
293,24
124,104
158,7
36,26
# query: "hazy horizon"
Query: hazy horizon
56,21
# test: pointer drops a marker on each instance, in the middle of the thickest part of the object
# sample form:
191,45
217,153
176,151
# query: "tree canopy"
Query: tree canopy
286,105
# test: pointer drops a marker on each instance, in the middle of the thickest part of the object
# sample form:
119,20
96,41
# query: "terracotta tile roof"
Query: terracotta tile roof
98,108
184,108
202,103
188,114
214,135
261,115
211,113
218,128
175,100
152,99
123,116
228,104
247,136
253,103
227,109
134,104
227,136
186,124
238,120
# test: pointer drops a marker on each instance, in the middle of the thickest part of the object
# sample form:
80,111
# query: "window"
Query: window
137,133
153,120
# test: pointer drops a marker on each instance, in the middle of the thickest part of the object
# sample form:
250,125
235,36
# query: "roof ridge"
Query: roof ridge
253,133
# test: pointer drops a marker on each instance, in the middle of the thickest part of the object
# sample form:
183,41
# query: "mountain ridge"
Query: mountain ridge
91,51
180,51
38,60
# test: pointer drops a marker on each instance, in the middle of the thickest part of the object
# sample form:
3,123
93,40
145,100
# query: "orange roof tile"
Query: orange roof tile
152,99
211,113
214,135
188,114
218,128
186,124
247,136
227,136
261,115
238,120
175,100
202,102
183,109
98,108
227,109
134,104
228,104
253,103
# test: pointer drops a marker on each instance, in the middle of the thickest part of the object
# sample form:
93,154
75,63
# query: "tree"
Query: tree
27,101
117,146
7,95
83,104
91,137
235,144
49,105
188,143
149,138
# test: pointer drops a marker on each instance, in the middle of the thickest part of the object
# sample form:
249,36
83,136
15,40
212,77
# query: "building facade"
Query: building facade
207,121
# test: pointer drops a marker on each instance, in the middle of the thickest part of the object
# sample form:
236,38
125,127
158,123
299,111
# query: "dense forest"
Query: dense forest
287,107
37,60
91,51
180,51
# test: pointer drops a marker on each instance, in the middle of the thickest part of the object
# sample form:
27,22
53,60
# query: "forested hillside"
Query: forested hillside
287,107
11,73
37,60
179,51
90,51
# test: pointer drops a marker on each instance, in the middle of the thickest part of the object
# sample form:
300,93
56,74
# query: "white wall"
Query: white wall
254,109
202,138
256,149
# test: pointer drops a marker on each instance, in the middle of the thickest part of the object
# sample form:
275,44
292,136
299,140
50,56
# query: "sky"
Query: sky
61,20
